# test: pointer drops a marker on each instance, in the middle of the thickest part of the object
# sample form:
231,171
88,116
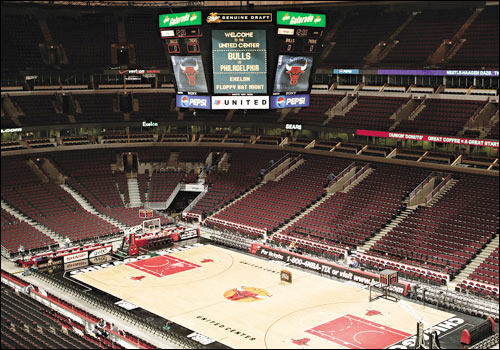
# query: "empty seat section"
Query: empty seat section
16,233
91,176
423,35
154,107
163,184
21,36
315,113
53,207
441,117
71,32
242,174
193,155
38,110
143,33
97,107
446,236
487,271
480,49
347,220
271,205
359,33
370,113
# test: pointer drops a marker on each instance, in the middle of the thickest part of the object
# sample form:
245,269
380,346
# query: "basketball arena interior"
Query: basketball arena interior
249,175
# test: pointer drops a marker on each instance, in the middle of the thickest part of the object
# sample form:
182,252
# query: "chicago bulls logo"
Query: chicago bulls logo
295,72
190,71
246,294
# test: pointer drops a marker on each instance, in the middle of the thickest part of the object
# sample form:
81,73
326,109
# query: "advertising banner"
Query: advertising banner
197,102
416,137
180,19
100,251
238,17
345,71
440,72
327,268
192,187
240,102
289,101
75,257
300,19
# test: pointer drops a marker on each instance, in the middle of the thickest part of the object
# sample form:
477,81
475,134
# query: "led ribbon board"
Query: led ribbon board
239,61
289,18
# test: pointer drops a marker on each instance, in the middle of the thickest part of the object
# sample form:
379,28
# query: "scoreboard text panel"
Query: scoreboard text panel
239,61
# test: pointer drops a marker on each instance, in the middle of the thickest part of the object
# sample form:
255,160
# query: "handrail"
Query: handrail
155,205
196,200
5,252
342,173
236,225
422,184
312,243
275,164
292,163
356,176
437,189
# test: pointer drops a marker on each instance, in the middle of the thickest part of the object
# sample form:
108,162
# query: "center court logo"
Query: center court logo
246,294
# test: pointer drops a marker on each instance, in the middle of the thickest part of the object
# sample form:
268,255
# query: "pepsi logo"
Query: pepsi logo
185,101
281,102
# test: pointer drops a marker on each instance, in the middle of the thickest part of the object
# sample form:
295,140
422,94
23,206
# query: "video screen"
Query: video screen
292,74
239,61
189,74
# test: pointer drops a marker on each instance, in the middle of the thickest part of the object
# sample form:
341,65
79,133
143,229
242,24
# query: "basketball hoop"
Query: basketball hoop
151,226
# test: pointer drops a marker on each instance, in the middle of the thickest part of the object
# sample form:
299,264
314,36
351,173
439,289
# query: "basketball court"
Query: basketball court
239,300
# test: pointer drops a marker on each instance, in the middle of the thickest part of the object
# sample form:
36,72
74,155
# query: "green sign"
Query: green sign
301,19
180,19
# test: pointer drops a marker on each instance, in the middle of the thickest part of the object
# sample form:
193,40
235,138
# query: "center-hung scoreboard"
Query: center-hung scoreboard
242,60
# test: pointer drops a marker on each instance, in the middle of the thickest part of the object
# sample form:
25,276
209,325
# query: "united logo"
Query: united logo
246,294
